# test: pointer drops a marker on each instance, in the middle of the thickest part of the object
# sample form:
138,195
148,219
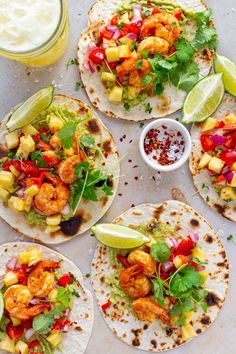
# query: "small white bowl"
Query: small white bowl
172,124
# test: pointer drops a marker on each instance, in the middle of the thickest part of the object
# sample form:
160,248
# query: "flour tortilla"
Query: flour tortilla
153,337
90,212
200,176
172,99
75,341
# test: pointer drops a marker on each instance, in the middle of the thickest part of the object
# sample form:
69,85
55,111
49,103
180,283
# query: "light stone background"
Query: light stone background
18,82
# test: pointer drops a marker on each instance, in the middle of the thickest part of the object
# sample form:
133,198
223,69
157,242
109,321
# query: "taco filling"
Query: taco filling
37,299
147,45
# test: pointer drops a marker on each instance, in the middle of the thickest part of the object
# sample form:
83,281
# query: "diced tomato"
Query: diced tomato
57,325
229,157
14,332
105,306
220,124
43,146
30,169
178,14
231,141
106,34
123,260
185,247
129,28
33,344
194,265
64,280
27,324
156,10
21,274
172,50
164,275
15,163
115,20
207,143
220,179
97,55
113,65
36,137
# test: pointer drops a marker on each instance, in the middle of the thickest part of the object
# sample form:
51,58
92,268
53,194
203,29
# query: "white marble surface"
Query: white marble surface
18,82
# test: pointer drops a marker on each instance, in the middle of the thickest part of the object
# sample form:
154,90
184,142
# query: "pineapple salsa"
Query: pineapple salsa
145,46
218,140
37,301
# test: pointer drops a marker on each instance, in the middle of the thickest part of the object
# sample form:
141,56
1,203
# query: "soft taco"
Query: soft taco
165,293
45,307
213,158
137,60
59,174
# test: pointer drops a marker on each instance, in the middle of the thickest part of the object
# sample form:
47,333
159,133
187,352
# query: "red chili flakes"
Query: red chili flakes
120,194
126,183
154,178
130,141
98,144
132,205
129,161
124,136
135,166
136,178
121,140
104,163
106,155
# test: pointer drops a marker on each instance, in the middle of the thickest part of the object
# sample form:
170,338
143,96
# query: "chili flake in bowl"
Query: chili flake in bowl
165,144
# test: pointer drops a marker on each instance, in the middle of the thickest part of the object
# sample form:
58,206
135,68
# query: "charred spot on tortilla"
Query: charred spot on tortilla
158,211
136,342
3,151
220,208
93,126
153,343
71,227
223,254
107,146
198,331
103,200
169,332
91,90
194,222
205,320
209,238
145,326
212,299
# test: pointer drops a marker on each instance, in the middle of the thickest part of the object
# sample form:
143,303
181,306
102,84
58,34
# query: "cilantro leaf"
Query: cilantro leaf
148,108
66,133
38,158
189,78
64,296
144,53
184,51
146,80
81,169
206,35
160,252
139,64
43,322
87,140
158,290
184,282
106,189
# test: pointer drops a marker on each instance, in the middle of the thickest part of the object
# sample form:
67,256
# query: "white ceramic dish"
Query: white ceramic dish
172,124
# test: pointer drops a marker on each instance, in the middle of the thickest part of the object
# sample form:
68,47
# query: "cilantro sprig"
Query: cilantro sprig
66,133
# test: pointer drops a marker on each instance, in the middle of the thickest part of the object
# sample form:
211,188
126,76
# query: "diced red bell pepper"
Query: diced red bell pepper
172,50
207,142
220,179
30,169
113,65
33,344
36,137
179,14
229,157
164,275
106,34
156,10
123,260
231,141
115,20
43,146
15,163
130,28
57,325
97,55
105,306
220,124
21,274
27,324
185,247
64,280
14,332
194,265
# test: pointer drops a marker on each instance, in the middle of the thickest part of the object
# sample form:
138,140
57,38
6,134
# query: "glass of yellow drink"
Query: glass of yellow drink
34,32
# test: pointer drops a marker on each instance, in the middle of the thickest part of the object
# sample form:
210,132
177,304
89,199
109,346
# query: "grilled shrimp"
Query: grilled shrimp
66,168
16,301
40,280
128,70
149,310
141,257
134,282
154,45
52,198
163,25
51,158
55,141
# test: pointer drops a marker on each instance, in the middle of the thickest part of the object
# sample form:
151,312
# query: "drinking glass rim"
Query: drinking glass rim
30,51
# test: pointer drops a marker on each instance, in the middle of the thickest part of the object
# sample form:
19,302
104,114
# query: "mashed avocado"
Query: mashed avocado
33,218
157,230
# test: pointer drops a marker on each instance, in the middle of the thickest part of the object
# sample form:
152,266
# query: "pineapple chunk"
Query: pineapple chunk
108,77
32,256
53,220
209,124
199,253
21,347
216,164
4,194
228,194
230,119
27,143
133,92
124,51
14,171
233,182
116,94
69,151
204,275
52,228
54,123
12,140
128,41
15,321
6,179
234,167
16,203
8,345
55,338
10,278
206,158
187,331
32,190
28,203
109,42
177,262
112,54
30,130
53,295
124,18
189,316
22,153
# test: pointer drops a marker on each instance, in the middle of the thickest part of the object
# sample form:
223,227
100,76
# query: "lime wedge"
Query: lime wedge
228,68
203,99
1,305
30,109
117,236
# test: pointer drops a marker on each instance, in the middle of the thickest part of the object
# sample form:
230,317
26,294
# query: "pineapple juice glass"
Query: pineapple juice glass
34,32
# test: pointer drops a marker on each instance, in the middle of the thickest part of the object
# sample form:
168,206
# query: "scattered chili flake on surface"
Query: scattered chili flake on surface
136,178
119,194
135,166
132,205
105,306
129,161
154,178
121,140
130,141
126,183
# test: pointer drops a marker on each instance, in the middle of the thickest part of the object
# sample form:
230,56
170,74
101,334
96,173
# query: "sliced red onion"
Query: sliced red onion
111,28
229,176
66,210
137,14
116,34
169,242
167,266
34,302
194,237
11,264
91,68
39,211
132,36
66,313
218,139
225,170
29,333
91,46
20,192
21,176
171,258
